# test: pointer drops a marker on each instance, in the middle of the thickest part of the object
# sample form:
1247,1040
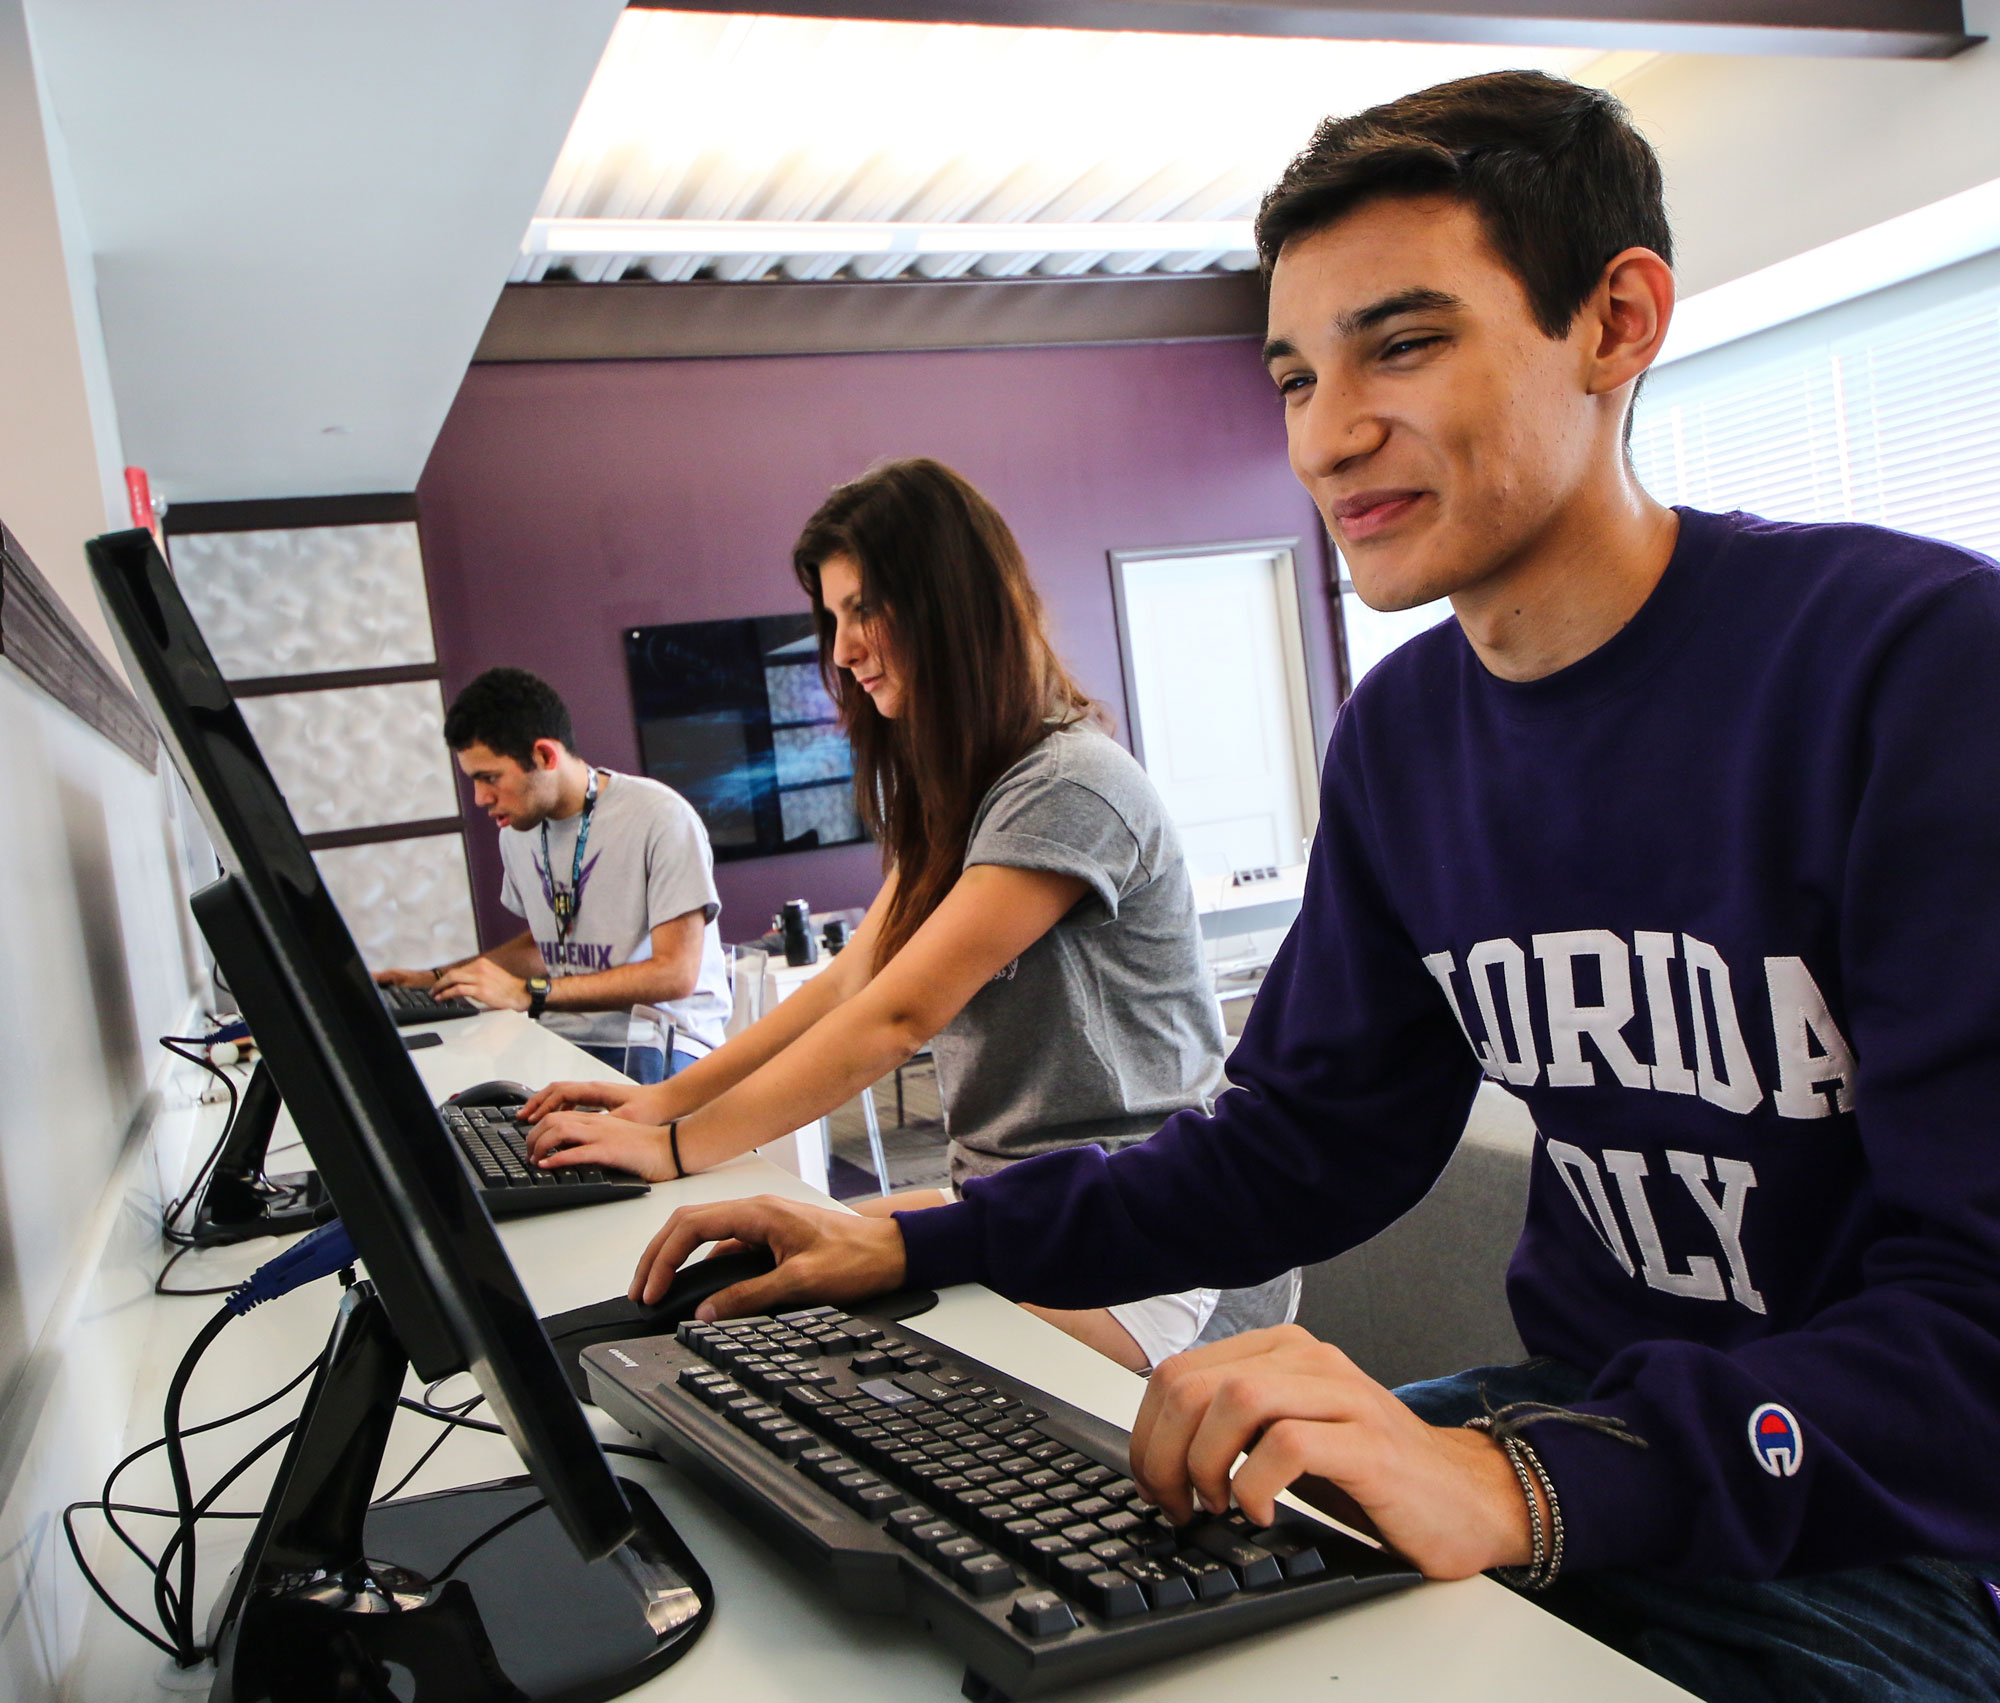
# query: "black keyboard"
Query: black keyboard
914,1480
494,1144
411,1006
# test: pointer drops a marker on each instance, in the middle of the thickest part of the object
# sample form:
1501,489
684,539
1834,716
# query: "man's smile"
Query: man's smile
1370,512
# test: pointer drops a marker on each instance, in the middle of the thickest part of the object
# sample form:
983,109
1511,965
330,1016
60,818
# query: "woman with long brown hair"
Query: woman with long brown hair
1036,927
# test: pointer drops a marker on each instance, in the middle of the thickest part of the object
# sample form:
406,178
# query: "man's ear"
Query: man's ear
1631,310
548,753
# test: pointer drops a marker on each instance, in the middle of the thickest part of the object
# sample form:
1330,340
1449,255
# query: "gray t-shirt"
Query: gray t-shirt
1108,1024
646,862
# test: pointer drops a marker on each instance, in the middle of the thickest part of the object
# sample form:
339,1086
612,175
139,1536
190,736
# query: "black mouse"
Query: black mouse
619,1319
495,1093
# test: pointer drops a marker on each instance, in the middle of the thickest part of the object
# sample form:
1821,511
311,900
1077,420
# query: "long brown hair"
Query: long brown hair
952,603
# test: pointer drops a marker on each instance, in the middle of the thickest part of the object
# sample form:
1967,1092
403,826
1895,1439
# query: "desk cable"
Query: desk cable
323,1252
179,1239
173,1612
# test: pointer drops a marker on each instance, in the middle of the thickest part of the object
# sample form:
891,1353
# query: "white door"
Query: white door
1219,692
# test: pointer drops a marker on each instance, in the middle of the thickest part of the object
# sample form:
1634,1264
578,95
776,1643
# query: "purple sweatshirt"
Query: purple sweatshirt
1721,903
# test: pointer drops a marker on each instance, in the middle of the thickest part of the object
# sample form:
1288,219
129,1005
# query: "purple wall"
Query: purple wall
566,502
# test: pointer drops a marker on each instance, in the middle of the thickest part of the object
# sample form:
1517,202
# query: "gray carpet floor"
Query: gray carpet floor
915,1149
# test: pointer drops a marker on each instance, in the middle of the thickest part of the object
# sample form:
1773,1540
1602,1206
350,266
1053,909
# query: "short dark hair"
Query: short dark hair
507,710
1557,174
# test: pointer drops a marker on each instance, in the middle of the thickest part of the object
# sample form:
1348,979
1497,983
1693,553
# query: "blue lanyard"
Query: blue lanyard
561,902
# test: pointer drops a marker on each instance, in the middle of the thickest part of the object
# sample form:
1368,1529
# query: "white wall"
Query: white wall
93,961
1766,157
52,480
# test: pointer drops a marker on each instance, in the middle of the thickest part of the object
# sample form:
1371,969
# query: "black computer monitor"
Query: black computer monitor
441,1295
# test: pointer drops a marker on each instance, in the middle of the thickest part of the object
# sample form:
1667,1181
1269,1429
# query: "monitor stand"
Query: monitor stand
463,1596
240,1202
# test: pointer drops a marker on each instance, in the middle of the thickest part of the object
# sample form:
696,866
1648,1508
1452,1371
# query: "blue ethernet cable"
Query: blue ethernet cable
318,1253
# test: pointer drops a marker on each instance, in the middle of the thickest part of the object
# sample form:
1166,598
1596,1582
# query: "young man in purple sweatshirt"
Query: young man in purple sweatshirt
1687,830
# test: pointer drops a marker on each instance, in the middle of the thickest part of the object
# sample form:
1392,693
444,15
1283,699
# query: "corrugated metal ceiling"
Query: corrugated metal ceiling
700,116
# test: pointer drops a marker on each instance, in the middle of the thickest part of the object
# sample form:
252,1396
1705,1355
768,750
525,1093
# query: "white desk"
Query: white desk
776,1638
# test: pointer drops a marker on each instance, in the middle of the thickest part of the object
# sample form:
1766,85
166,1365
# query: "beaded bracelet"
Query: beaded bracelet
1505,1425
1540,1571
1555,1514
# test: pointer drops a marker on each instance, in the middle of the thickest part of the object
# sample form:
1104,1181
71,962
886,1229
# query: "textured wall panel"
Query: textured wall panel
825,810
358,756
406,902
806,754
308,600
797,693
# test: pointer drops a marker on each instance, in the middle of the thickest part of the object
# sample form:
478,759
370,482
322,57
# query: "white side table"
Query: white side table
804,1152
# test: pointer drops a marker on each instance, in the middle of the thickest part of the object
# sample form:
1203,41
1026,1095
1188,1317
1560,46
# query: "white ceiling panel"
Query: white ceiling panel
301,213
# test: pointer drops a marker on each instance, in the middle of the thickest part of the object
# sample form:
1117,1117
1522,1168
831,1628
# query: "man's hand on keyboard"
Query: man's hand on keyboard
822,1255
1296,1406
485,981
404,978
597,1138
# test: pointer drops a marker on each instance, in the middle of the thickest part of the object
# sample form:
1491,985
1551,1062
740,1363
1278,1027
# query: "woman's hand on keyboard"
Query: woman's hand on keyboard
597,1138
1298,1407
822,1254
560,1096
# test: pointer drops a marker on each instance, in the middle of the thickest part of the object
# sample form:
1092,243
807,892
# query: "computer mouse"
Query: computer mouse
495,1093
619,1319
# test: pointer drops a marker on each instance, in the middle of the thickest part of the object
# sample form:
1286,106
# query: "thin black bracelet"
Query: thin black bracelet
674,1142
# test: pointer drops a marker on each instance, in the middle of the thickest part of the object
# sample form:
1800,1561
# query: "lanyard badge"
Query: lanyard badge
562,901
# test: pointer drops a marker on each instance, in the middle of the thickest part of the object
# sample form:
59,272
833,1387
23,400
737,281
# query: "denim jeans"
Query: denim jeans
1907,1632
645,1065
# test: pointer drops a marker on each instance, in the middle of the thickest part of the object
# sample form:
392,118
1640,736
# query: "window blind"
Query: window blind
1898,425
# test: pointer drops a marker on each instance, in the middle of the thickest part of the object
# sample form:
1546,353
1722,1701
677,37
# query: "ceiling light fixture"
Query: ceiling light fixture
827,236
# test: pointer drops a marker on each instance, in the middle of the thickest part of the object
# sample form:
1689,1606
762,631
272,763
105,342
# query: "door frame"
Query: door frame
1309,740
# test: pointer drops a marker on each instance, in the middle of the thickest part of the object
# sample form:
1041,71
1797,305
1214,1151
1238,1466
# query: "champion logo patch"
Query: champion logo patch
1775,1439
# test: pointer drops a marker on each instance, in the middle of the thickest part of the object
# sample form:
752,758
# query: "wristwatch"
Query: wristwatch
538,995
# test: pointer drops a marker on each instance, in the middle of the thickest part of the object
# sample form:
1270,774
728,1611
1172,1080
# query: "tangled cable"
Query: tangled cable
174,1570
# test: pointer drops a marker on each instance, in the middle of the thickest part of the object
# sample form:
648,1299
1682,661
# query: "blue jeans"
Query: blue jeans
1908,1632
645,1065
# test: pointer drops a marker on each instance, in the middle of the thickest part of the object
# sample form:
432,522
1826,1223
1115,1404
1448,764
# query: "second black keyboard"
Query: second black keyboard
494,1145
408,1007
913,1479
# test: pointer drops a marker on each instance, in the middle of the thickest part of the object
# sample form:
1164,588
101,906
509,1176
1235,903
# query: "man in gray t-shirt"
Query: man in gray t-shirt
612,874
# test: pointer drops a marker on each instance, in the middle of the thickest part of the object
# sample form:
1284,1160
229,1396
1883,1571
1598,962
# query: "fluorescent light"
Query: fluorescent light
816,236
1898,249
